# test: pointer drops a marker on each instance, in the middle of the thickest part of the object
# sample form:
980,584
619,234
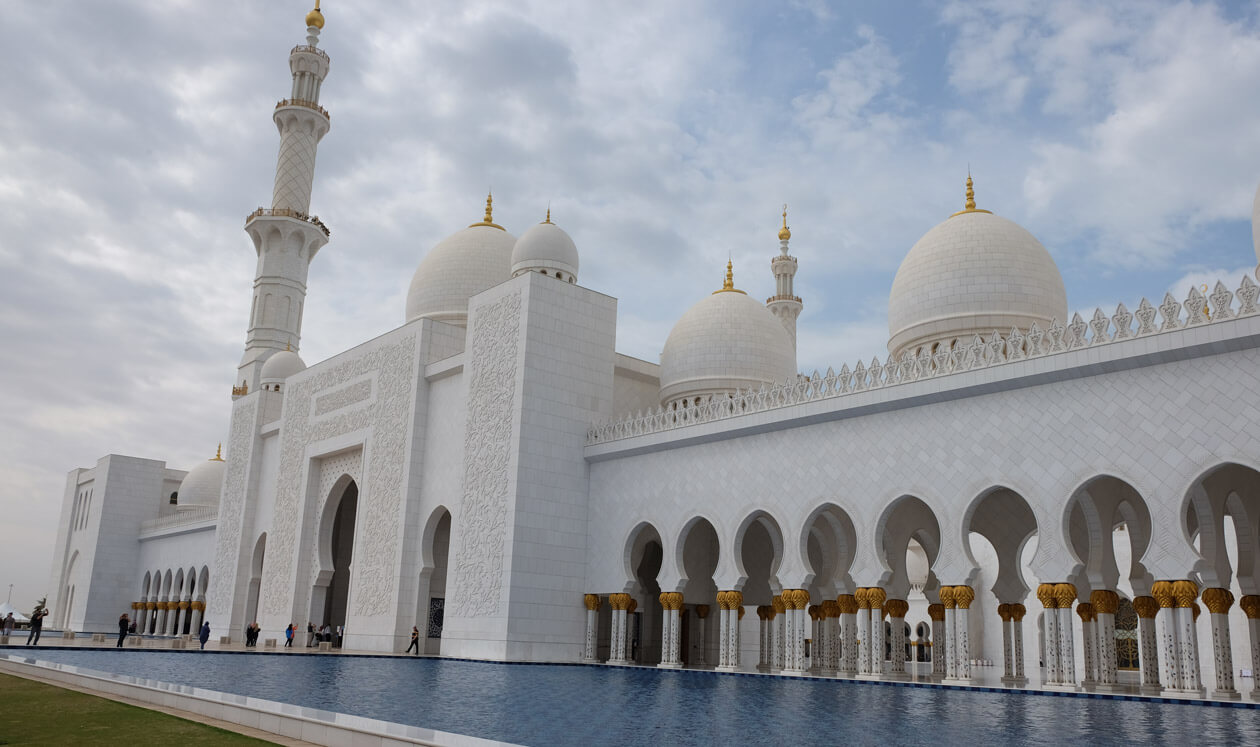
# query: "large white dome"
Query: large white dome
202,484
548,249
972,274
458,268
725,343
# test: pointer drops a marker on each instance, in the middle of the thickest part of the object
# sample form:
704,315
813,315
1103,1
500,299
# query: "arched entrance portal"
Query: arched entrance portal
331,593
431,596
255,580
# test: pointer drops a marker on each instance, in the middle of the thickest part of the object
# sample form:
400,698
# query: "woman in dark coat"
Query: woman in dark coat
205,634
124,624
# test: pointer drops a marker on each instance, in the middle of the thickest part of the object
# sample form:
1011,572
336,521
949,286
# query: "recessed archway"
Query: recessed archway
644,555
829,544
330,596
758,552
698,555
431,595
255,580
1094,512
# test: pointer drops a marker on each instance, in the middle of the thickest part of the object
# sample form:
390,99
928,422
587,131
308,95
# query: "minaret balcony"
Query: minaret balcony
305,104
772,299
287,213
308,49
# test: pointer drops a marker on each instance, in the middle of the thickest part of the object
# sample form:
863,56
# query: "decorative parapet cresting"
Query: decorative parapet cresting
982,352
192,515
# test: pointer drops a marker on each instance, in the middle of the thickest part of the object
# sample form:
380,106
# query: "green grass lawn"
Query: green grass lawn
35,713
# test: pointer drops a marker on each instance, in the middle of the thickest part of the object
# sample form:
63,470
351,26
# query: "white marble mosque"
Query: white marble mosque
496,473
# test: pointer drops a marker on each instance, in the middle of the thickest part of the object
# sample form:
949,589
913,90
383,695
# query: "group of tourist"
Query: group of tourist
325,634
251,634
126,626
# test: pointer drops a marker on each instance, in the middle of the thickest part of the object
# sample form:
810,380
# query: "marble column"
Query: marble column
1106,603
671,628
937,644
1089,641
163,609
795,602
1218,602
1017,642
764,613
864,631
702,614
815,658
963,597
1050,634
951,627
1065,594
897,609
1185,592
618,636
1008,647
197,608
877,598
778,632
1250,605
825,648
592,621
729,603
150,618
847,644
1148,643
632,629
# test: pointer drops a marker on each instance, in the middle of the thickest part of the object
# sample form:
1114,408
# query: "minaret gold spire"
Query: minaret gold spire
489,219
728,286
218,454
548,220
784,233
315,18
970,205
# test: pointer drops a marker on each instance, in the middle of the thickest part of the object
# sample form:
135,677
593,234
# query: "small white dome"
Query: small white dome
202,484
281,366
546,248
723,344
970,275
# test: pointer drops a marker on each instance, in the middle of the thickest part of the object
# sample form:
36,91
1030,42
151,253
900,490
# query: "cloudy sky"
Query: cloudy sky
135,136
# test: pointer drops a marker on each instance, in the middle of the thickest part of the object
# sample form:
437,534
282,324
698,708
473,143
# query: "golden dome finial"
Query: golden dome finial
728,285
315,18
970,205
548,220
489,219
784,233
218,454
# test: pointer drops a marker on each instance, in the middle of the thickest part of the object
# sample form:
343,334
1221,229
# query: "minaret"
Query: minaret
784,303
285,235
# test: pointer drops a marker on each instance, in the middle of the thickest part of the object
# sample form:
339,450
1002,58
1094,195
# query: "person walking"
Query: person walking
288,636
9,622
310,634
205,634
124,624
415,641
37,625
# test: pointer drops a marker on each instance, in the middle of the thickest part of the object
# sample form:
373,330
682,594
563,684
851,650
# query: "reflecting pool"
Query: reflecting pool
549,704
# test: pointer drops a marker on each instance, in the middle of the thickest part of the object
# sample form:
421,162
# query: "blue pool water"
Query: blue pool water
545,704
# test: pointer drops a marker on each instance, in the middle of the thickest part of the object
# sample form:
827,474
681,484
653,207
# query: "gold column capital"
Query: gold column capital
1004,612
765,612
1018,611
1105,602
1194,607
1185,592
1064,594
863,597
740,611
199,606
1250,606
591,601
702,611
1218,601
778,604
1146,607
1162,591
619,602
877,597
847,603
964,596
1085,611
897,607
632,605
1045,593
947,597
936,612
